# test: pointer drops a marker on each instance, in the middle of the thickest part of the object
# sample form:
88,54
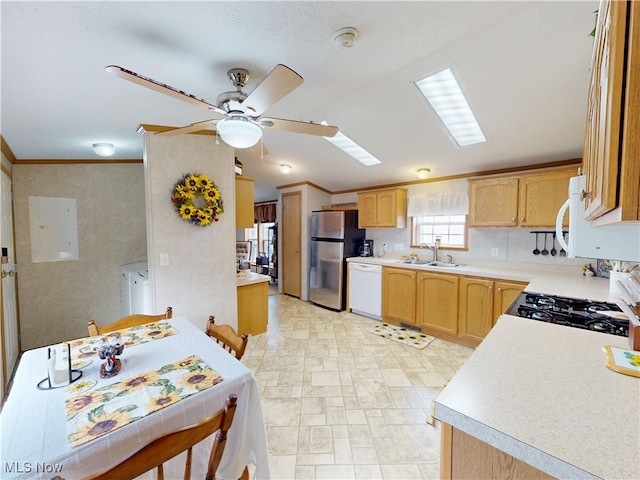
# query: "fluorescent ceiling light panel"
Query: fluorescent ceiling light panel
350,147
445,96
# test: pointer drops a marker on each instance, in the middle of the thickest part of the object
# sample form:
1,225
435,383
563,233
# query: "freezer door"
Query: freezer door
326,275
327,224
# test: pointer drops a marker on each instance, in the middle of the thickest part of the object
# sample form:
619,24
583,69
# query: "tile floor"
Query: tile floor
342,403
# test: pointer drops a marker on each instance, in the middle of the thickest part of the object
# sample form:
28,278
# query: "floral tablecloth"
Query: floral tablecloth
84,349
96,412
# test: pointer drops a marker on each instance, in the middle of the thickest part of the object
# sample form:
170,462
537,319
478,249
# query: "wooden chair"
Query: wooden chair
164,448
227,337
126,322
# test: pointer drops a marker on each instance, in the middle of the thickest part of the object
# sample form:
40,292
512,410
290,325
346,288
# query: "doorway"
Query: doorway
9,325
291,243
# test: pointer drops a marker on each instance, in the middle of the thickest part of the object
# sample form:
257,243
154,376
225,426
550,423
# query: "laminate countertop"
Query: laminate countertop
542,393
541,278
246,277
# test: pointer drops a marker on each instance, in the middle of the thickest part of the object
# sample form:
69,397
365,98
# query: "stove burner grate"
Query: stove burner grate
570,312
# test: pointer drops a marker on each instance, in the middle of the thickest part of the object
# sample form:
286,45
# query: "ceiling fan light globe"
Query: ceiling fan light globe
239,133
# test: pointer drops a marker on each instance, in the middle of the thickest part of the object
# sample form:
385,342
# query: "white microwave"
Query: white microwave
612,242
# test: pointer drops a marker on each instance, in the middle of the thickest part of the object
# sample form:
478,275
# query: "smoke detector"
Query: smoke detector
345,38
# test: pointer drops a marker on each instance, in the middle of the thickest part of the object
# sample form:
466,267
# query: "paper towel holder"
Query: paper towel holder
73,375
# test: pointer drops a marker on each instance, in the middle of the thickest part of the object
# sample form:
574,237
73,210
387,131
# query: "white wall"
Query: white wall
200,279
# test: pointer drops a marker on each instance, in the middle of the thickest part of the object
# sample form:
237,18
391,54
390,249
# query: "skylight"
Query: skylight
445,96
350,147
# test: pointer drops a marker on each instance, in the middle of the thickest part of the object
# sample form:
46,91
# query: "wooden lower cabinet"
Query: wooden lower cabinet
463,456
437,303
253,308
399,295
504,293
482,301
454,307
475,308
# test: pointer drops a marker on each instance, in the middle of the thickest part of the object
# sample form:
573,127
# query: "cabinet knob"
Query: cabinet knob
499,289
584,194
522,219
513,219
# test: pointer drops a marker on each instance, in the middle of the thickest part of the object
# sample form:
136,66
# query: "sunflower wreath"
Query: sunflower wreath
197,199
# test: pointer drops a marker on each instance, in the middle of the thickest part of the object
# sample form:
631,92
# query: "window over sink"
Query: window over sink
452,230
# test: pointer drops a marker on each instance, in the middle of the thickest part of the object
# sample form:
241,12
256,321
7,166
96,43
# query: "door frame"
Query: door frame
8,369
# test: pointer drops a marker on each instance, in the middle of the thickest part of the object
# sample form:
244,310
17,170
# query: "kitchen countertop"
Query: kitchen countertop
247,277
541,393
540,278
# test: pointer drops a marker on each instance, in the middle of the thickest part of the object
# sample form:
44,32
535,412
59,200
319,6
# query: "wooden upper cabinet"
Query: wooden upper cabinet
493,202
383,209
244,202
612,141
541,196
527,200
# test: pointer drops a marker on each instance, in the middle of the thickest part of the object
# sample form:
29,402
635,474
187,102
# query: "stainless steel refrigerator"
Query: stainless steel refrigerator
335,236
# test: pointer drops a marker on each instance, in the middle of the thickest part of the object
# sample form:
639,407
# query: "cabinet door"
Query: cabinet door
437,302
493,202
253,308
398,295
604,109
541,196
387,209
244,202
367,210
504,294
476,308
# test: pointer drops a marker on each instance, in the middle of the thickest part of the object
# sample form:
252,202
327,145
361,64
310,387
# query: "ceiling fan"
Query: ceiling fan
242,123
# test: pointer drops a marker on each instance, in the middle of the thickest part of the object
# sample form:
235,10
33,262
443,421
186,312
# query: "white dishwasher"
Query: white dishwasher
365,289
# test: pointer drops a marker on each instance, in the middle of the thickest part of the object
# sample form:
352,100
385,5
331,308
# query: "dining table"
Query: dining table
52,433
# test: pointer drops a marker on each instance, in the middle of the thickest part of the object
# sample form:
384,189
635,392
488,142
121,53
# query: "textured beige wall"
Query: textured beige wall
200,279
56,299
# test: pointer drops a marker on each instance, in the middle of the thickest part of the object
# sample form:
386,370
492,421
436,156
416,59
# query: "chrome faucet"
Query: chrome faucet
435,248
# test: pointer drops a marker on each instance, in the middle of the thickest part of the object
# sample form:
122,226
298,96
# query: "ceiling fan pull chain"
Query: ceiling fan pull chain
261,148
217,140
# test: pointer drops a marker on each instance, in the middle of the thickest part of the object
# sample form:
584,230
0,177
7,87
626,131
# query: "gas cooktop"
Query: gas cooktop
572,312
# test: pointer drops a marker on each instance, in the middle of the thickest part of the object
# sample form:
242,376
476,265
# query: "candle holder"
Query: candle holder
109,348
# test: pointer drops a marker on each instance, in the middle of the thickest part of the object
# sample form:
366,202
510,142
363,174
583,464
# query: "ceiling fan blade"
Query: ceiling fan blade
277,84
161,87
294,126
194,127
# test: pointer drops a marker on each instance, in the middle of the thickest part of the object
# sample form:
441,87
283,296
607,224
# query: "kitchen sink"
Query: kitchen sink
444,265
427,263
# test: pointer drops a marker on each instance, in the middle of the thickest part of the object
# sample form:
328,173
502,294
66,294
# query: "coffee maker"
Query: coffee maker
366,250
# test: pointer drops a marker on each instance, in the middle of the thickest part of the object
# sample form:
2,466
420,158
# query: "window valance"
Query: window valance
265,212
446,203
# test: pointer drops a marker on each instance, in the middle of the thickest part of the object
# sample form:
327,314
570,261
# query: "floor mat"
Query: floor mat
405,336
